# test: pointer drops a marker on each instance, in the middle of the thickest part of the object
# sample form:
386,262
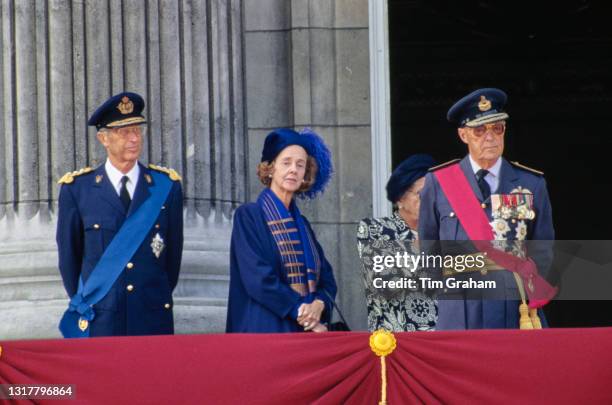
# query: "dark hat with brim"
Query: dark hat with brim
406,173
121,110
480,107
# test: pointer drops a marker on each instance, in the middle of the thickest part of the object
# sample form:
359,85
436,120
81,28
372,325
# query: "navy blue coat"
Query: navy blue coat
90,214
437,221
260,299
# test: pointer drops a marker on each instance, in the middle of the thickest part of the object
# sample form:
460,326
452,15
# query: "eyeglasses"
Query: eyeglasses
497,128
132,129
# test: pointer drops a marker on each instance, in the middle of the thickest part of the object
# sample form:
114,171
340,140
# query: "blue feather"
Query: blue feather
319,151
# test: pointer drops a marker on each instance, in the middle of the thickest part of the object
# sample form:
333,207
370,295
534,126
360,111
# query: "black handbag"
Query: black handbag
340,326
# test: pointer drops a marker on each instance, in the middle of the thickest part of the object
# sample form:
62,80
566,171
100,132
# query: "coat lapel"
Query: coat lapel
106,190
508,178
142,189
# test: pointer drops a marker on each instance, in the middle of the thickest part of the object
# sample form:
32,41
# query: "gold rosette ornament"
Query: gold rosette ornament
382,344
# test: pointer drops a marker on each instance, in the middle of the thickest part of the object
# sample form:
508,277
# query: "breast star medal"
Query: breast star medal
157,245
500,228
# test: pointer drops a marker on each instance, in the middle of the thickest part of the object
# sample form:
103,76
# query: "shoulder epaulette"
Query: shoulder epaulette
69,177
450,162
529,169
170,172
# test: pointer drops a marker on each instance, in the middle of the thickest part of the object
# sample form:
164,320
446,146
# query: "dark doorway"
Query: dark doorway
554,59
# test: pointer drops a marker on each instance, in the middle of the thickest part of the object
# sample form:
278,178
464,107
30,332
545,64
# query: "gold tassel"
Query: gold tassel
535,319
525,321
382,344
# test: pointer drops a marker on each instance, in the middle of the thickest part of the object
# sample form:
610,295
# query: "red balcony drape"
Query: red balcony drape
551,366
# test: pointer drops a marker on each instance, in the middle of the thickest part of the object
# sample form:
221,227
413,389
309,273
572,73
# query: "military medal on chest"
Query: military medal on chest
517,205
523,201
157,245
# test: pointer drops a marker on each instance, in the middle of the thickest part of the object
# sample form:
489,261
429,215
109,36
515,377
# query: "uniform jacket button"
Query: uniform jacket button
130,265
167,306
130,287
96,226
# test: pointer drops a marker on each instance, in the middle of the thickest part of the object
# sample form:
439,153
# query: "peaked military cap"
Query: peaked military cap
120,110
479,107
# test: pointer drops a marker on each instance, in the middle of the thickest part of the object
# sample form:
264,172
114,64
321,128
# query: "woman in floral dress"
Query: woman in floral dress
401,309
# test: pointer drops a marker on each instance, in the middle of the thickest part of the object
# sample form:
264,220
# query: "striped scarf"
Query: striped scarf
295,244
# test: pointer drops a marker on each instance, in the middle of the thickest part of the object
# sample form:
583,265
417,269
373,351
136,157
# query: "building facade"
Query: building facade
217,76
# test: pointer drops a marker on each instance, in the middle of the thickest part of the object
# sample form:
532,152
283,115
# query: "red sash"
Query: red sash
476,224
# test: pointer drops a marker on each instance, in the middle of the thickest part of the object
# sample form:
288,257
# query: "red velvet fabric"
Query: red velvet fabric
549,366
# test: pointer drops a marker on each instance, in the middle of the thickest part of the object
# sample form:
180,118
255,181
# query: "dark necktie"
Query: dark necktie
482,184
123,193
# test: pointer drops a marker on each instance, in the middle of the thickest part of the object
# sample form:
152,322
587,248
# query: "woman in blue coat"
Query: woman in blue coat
280,280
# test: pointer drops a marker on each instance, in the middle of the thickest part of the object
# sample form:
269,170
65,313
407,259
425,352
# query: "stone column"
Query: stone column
60,59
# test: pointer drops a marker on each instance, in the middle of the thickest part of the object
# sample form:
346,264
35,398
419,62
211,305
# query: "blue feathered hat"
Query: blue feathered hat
279,139
406,173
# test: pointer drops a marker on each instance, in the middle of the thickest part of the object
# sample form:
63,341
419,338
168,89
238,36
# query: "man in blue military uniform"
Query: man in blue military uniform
120,233
516,208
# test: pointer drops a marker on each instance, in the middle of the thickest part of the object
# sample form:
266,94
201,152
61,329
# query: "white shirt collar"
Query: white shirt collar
115,176
494,170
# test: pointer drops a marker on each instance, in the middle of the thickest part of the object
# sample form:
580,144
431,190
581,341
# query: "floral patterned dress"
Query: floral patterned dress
398,310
